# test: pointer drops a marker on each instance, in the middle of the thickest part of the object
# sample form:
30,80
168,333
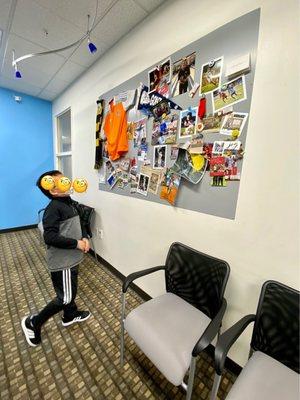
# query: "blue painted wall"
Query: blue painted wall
26,151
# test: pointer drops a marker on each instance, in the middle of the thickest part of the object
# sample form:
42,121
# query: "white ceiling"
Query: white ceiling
23,24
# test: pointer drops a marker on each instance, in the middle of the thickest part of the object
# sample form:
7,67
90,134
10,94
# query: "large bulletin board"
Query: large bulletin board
231,41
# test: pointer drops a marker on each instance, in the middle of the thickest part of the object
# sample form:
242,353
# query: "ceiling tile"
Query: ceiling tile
76,11
70,71
118,21
47,95
149,5
19,86
4,13
56,85
31,20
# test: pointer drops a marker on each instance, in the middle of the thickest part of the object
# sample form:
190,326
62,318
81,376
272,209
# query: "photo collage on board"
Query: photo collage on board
152,143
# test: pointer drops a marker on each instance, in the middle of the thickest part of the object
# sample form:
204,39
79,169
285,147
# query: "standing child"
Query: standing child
66,243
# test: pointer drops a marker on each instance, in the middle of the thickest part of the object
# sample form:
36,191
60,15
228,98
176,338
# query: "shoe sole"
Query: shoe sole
75,322
26,334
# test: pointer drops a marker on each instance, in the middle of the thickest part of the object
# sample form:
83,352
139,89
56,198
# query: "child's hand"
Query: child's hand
81,245
87,245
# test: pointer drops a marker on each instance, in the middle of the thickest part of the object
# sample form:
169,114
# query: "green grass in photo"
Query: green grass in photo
219,103
208,88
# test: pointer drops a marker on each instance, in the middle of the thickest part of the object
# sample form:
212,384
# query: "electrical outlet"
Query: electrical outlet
99,233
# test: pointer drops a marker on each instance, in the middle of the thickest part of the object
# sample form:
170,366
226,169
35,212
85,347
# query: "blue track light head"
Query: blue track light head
18,74
92,47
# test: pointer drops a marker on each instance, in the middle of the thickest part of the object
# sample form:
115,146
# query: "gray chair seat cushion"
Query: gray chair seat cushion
166,329
264,378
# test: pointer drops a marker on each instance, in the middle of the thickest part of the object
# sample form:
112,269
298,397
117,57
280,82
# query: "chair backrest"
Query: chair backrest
196,277
276,327
40,214
40,223
85,214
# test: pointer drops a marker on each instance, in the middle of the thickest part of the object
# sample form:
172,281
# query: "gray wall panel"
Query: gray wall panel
230,41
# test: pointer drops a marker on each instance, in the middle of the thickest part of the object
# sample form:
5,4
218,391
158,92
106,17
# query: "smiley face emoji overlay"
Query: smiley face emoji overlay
80,185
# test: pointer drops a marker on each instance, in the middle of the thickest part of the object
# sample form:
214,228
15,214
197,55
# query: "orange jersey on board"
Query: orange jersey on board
115,129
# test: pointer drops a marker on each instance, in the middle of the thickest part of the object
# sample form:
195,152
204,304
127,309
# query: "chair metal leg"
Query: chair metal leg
122,329
184,386
94,249
216,385
191,379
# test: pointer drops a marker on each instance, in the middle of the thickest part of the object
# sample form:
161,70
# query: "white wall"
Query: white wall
262,242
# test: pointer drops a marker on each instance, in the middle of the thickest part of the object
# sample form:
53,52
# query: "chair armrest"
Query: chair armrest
211,331
131,277
227,339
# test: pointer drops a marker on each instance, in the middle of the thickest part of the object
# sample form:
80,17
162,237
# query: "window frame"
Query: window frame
59,155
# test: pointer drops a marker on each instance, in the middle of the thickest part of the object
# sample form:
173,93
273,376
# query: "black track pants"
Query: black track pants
65,286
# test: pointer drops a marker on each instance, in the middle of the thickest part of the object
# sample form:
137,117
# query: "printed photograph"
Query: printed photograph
212,123
154,182
231,168
125,164
231,92
133,183
231,172
160,77
109,167
183,166
140,131
143,184
196,146
130,130
210,78
159,157
112,180
159,109
188,120
233,121
174,152
170,186
226,147
207,152
218,147
142,150
234,150
217,171
165,132
183,75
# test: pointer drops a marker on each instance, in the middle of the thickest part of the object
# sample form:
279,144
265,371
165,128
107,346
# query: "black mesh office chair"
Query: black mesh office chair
174,328
272,371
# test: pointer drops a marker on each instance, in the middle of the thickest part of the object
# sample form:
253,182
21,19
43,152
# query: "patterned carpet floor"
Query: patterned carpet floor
81,361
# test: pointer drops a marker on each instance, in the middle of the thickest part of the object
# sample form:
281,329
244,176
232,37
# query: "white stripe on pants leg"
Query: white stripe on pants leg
70,285
65,287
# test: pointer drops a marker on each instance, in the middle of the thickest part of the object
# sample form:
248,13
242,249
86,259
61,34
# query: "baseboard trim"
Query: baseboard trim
19,228
231,365
145,296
